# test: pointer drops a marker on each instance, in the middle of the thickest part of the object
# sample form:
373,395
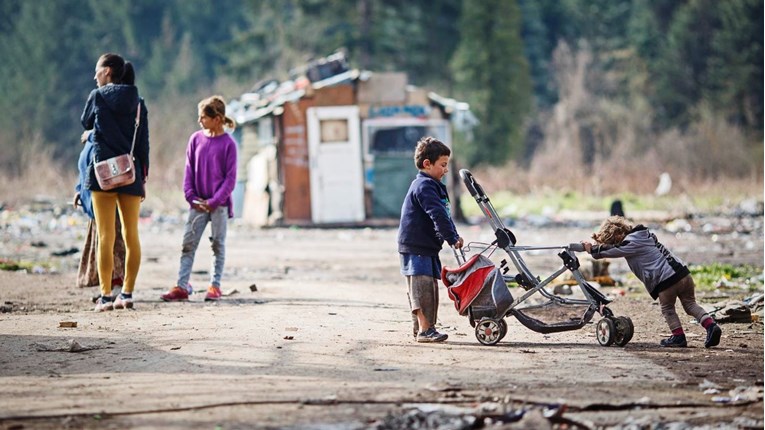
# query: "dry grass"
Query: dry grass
39,175
42,178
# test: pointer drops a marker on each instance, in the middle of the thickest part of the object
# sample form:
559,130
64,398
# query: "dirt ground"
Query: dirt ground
324,343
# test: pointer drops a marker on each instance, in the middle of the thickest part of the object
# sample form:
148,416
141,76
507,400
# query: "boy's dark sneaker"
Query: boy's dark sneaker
675,341
713,336
431,335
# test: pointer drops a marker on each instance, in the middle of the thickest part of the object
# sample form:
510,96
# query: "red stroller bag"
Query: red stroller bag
479,285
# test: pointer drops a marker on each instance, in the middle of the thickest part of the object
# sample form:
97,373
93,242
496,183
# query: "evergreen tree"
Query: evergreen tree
736,63
682,64
43,82
539,49
492,73
664,60
382,35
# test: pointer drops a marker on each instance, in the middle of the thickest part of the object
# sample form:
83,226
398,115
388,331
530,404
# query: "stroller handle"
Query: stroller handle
461,259
470,183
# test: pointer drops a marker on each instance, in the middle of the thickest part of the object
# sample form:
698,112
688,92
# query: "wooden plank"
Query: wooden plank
389,87
294,161
339,95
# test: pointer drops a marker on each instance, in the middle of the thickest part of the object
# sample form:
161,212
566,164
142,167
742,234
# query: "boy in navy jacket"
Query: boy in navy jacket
425,223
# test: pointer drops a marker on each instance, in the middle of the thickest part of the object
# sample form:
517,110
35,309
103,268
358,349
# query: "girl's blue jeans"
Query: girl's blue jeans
195,227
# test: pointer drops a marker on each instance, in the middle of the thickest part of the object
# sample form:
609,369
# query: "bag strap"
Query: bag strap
135,131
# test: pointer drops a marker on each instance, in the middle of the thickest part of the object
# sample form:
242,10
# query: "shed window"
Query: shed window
334,130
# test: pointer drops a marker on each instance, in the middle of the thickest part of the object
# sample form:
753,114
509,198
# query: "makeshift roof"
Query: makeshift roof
269,97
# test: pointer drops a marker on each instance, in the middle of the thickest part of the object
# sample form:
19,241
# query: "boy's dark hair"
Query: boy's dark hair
429,148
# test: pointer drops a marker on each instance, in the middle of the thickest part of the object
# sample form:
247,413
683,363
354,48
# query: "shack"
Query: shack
334,145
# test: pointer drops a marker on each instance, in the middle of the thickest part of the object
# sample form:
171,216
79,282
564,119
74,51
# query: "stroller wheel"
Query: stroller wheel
605,331
624,330
488,331
502,328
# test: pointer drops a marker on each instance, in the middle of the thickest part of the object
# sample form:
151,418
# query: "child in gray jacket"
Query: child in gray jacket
664,275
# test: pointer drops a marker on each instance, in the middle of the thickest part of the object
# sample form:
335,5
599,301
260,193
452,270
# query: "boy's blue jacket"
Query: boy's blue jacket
425,218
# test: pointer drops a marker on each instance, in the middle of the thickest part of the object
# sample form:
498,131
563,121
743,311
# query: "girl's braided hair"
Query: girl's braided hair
613,230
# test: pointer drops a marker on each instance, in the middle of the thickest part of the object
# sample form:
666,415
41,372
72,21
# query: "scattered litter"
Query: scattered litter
253,288
734,311
289,337
290,329
327,400
65,252
71,346
554,411
70,324
741,394
175,348
443,388
707,384
747,423
746,394
440,416
230,292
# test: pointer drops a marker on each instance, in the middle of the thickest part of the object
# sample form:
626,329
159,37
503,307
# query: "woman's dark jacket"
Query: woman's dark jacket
110,111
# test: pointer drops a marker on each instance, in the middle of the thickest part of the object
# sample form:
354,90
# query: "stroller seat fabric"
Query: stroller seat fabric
478,284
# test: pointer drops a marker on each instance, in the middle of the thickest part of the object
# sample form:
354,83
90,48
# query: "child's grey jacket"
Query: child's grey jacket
656,266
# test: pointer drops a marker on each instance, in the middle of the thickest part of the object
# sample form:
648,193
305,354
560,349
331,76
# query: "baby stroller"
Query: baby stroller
479,290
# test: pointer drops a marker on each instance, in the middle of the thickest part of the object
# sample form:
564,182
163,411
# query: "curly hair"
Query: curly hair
613,230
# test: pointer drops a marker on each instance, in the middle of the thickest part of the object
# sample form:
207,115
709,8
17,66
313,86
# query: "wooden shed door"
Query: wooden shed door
334,145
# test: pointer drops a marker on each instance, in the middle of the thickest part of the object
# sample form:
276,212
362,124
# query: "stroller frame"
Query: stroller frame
491,329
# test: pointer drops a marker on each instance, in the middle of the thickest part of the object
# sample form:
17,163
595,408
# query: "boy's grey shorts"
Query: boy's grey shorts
423,294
